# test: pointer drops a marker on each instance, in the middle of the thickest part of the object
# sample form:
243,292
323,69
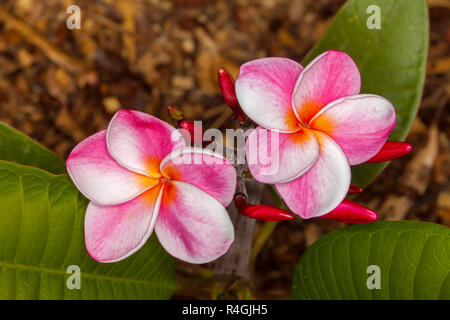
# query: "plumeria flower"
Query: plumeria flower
139,176
321,124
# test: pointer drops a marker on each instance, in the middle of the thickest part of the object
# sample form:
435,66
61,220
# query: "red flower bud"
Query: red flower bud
391,150
261,211
226,85
354,189
351,212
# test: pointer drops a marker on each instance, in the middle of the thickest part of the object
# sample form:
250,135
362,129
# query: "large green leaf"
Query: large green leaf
391,60
17,147
41,235
413,257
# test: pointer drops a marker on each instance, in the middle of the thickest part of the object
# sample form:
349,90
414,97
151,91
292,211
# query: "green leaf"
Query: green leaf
413,257
391,60
41,235
17,147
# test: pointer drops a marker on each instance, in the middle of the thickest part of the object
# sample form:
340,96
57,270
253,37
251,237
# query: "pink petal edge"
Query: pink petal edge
275,157
204,169
360,124
264,89
99,177
323,187
139,141
113,233
192,225
330,76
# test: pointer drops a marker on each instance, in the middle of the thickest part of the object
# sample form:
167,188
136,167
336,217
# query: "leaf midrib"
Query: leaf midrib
83,275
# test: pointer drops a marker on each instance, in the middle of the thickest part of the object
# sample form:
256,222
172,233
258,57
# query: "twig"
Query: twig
268,227
51,51
223,117
261,239
437,66
116,26
236,261
417,174
439,3
214,112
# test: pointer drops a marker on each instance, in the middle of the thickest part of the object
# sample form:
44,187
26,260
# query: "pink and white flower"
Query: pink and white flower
139,176
322,123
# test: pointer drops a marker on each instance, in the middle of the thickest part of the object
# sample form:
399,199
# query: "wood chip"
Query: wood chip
443,206
66,123
112,104
417,174
312,233
395,207
437,66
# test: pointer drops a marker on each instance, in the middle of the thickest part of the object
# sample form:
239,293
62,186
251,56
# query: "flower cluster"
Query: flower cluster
321,123
313,124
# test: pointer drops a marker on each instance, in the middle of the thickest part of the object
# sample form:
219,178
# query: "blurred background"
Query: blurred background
59,86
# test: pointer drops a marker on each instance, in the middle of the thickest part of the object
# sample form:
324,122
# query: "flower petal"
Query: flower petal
139,141
275,157
113,233
330,76
192,225
99,177
204,169
360,124
264,90
323,187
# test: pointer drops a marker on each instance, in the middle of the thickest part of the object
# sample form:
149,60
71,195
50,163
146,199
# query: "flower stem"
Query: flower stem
236,261
261,239
267,228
